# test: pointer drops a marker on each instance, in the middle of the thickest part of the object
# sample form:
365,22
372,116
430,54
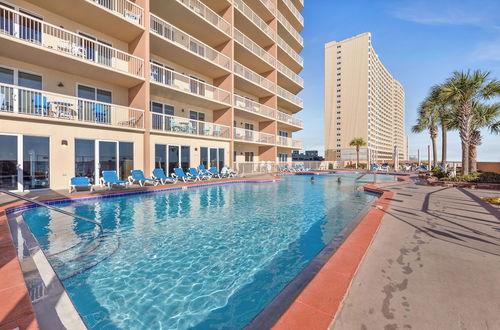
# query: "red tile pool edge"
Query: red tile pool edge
317,305
16,310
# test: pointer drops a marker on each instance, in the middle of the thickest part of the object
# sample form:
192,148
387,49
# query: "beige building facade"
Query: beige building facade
362,99
93,85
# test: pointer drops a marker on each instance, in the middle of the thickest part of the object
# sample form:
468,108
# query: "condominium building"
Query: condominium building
93,85
362,99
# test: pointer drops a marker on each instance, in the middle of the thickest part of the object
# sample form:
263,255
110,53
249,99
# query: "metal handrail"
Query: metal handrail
52,208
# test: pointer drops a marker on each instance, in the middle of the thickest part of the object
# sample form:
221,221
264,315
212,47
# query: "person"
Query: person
339,179
312,179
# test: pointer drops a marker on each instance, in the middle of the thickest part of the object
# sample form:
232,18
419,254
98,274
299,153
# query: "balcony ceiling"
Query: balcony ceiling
186,97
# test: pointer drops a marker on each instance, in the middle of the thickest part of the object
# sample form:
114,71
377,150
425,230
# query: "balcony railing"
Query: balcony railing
184,40
253,47
290,28
182,125
252,106
292,53
269,5
253,136
251,15
38,32
290,74
294,11
284,141
285,117
188,84
125,8
47,105
246,73
208,14
290,97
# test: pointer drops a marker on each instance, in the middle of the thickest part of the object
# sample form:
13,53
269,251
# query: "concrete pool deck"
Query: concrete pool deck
434,263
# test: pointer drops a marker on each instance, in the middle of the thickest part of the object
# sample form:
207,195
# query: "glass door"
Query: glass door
213,157
174,152
35,162
107,155
9,162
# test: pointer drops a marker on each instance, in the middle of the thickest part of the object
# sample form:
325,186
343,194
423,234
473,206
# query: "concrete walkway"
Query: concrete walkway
433,264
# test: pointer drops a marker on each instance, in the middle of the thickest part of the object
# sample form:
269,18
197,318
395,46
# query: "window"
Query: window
204,156
248,156
36,162
221,158
197,85
338,46
126,160
93,111
283,158
185,157
85,158
161,157
283,133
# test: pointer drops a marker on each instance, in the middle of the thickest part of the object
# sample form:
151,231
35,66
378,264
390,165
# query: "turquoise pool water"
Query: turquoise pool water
202,258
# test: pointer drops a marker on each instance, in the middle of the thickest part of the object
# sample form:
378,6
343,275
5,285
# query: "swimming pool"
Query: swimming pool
202,258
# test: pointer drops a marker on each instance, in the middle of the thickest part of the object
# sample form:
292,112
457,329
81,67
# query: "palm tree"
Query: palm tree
462,89
445,115
358,143
428,118
484,116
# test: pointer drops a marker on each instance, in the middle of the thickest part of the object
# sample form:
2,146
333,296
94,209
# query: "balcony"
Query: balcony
289,101
20,102
289,121
252,55
252,82
292,13
185,126
121,19
298,3
251,24
34,41
195,18
289,79
252,110
246,135
183,88
291,35
185,50
288,56
266,9
287,142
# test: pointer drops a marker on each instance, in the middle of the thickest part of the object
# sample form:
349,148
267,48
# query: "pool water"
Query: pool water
210,257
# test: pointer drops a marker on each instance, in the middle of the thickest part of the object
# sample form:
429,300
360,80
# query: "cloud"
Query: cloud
481,13
487,51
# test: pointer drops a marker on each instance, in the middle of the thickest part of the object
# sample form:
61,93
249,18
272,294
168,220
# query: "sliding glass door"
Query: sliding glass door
9,160
171,156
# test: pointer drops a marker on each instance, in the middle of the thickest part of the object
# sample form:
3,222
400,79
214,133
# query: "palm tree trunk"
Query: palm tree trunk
474,143
465,118
444,143
434,152
357,157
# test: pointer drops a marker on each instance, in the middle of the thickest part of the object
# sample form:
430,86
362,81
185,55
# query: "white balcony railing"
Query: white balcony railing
125,8
52,106
290,28
253,136
284,141
292,53
290,97
248,74
253,47
188,84
294,11
269,5
182,125
28,29
290,74
246,104
251,15
208,14
184,40
286,118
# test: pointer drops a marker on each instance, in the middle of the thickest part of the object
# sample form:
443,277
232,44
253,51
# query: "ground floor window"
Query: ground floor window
85,158
170,156
283,158
212,157
24,162
248,156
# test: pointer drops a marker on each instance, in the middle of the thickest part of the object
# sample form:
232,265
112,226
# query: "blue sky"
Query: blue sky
421,42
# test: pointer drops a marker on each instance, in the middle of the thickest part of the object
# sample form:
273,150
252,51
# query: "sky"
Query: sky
421,42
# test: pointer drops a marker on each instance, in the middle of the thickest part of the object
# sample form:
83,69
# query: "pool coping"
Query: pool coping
316,306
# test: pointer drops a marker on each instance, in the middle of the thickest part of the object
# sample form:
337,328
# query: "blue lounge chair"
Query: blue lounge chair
159,175
80,181
110,178
202,170
422,168
384,167
195,174
375,167
138,176
215,172
40,104
179,174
